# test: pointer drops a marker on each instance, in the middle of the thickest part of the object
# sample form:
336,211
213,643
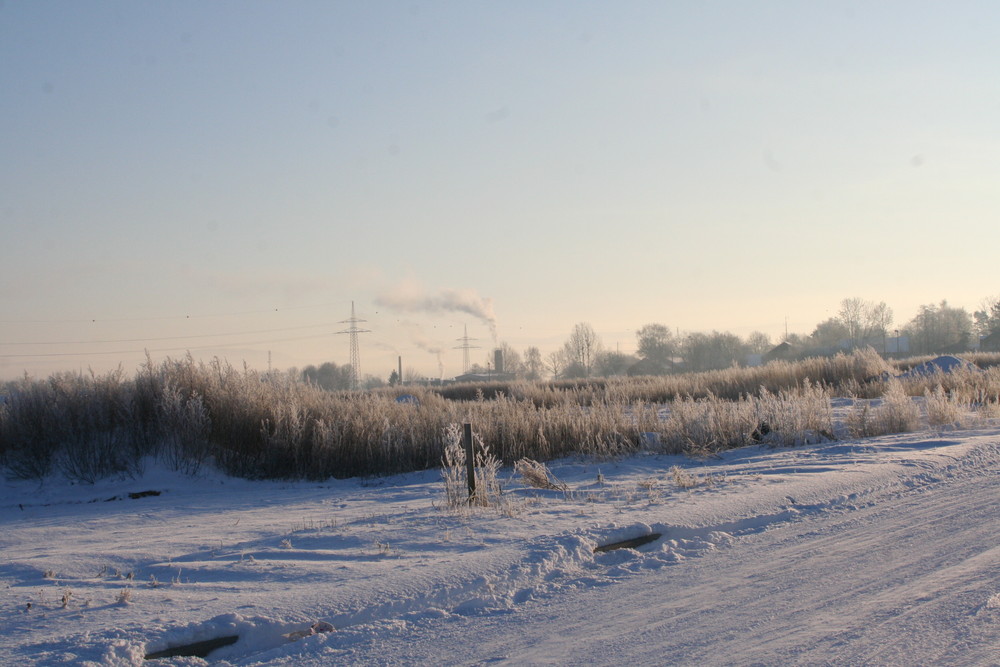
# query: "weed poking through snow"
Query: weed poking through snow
454,473
538,475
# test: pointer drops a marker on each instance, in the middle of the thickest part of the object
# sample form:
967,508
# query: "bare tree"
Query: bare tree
851,315
704,352
759,342
533,364
829,333
556,362
511,360
328,376
583,347
937,327
880,319
988,317
610,364
864,320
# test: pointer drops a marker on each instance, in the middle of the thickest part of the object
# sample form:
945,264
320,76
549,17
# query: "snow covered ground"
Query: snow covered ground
883,551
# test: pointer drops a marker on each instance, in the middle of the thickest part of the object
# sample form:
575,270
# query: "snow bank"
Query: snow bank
270,563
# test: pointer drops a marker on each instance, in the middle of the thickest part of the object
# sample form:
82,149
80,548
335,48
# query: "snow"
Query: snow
881,551
943,364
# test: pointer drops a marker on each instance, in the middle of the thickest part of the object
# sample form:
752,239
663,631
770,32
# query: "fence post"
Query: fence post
470,462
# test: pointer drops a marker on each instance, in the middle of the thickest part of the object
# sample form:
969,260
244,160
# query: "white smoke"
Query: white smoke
411,298
419,339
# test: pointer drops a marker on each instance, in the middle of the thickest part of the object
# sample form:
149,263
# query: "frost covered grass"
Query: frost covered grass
246,424
454,472
895,413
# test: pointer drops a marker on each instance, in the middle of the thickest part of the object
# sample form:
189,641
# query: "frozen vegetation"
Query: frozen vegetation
854,529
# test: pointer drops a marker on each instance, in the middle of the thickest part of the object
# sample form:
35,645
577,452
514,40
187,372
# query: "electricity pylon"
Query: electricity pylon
465,347
353,330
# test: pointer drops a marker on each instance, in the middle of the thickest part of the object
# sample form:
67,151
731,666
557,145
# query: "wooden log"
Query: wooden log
197,649
628,544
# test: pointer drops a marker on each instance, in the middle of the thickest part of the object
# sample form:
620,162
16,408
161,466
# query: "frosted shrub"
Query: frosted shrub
286,447
538,475
682,478
185,427
796,417
896,413
704,426
94,454
454,472
31,429
943,408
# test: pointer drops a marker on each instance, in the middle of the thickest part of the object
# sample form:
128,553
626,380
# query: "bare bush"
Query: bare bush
454,472
682,478
943,408
538,475
705,426
185,426
795,417
894,413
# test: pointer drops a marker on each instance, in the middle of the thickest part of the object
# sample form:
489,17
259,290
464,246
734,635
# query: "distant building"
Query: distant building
485,377
956,348
897,345
783,351
990,343
647,367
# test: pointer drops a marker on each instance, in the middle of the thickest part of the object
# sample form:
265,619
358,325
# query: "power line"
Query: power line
164,349
149,340
99,320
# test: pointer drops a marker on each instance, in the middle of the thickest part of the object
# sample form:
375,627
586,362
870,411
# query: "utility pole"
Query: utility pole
353,330
465,347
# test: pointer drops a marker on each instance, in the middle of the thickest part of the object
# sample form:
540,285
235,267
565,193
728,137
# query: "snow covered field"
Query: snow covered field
882,551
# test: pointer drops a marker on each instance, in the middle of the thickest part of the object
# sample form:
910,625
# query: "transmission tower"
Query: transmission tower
353,330
465,347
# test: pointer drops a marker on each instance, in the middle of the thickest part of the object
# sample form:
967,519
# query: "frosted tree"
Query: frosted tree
656,343
864,320
583,347
939,327
987,319
533,364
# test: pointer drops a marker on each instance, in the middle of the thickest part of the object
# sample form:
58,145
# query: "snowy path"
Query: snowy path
911,579
885,551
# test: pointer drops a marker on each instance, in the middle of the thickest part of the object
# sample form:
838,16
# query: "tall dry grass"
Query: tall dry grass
896,412
841,373
190,415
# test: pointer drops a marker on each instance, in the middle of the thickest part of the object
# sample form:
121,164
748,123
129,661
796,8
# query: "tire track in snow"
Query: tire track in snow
904,578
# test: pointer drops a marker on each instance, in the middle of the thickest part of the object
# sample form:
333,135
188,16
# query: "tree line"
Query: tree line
660,350
935,329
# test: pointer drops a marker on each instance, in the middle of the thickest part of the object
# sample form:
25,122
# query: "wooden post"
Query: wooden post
470,461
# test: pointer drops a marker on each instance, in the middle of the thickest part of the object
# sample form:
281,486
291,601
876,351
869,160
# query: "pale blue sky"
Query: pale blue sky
228,176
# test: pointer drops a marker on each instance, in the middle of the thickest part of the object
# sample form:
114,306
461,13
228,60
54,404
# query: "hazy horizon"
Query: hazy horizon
227,178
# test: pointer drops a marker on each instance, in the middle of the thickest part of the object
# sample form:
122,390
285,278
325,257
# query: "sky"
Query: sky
228,178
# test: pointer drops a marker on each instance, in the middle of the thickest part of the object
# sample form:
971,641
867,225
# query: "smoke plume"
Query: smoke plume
419,339
409,298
